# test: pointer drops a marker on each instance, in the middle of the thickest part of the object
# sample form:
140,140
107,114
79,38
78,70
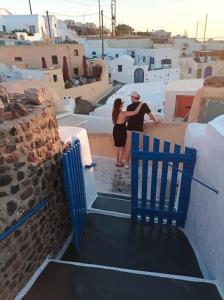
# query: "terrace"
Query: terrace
118,254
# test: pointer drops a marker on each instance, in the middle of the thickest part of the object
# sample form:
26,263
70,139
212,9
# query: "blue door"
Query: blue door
75,191
208,72
139,75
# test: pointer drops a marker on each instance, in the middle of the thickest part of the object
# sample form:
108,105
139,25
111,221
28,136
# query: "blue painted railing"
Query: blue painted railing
160,204
75,190
23,219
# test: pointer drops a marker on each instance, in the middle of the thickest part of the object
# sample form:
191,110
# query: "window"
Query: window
116,55
144,59
18,59
119,68
54,59
4,28
55,77
76,71
189,70
32,29
76,52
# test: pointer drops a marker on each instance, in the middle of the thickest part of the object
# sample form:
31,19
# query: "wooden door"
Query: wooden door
183,105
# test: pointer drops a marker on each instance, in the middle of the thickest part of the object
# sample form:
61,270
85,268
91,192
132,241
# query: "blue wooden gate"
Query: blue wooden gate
75,191
158,203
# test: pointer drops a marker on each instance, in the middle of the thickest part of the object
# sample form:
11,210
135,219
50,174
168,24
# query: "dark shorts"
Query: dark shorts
120,135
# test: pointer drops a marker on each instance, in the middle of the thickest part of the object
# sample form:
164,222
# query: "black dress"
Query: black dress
120,134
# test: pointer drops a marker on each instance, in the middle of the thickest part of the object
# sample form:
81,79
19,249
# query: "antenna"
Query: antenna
206,19
30,7
99,19
113,17
102,36
196,34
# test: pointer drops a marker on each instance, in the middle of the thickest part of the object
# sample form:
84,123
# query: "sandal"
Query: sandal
119,165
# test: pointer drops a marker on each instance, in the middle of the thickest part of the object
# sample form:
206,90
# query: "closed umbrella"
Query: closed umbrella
65,69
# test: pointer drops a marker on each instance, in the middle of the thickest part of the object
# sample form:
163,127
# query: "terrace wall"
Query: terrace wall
30,171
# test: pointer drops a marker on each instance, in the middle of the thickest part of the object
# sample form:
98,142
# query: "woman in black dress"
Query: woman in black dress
119,132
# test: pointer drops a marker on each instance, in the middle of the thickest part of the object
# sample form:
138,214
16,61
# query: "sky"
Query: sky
171,15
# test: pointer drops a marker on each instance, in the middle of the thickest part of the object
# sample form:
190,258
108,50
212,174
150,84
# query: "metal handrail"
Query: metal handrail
194,179
21,221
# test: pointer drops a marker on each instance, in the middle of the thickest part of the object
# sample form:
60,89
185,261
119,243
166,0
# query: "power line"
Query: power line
72,16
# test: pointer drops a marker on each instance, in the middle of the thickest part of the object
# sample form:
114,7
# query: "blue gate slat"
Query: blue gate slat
185,187
144,176
69,192
134,177
154,177
81,185
75,190
74,175
160,209
158,213
173,184
75,179
163,187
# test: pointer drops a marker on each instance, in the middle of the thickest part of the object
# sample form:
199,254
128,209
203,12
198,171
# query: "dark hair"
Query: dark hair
116,109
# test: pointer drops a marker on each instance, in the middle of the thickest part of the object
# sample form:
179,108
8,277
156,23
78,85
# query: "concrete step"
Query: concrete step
68,281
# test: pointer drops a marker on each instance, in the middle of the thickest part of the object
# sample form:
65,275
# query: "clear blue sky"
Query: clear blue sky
172,15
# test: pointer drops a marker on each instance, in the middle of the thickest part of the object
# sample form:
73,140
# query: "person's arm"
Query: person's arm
153,117
133,113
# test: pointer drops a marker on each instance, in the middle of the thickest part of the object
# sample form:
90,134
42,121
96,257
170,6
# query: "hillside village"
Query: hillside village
58,83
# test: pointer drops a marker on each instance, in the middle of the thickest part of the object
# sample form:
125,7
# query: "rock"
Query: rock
27,193
83,107
31,203
10,148
13,131
15,189
35,96
215,81
4,97
5,180
20,175
18,165
11,207
31,157
4,169
12,158
3,194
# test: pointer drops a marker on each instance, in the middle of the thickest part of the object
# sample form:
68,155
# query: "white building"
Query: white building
186,46
124,69
152,93
58,29
34,24
179,98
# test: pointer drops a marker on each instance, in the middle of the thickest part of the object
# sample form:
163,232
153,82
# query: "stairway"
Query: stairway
123,260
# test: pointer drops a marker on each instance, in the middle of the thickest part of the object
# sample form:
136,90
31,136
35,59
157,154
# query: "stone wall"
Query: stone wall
30,171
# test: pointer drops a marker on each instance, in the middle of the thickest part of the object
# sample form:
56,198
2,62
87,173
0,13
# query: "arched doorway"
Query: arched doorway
139,75
208,72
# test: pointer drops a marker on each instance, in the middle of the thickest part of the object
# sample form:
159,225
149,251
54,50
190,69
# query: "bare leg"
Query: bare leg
117,155
121,154
127,151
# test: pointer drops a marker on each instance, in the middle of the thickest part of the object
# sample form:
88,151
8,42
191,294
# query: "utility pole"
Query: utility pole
30,7
48,22
99,20
102,37
196,34
113,17
206,19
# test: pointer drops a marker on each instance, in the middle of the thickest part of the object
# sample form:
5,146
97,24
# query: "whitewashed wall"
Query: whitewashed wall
29,73
180,87
68,133
205,222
